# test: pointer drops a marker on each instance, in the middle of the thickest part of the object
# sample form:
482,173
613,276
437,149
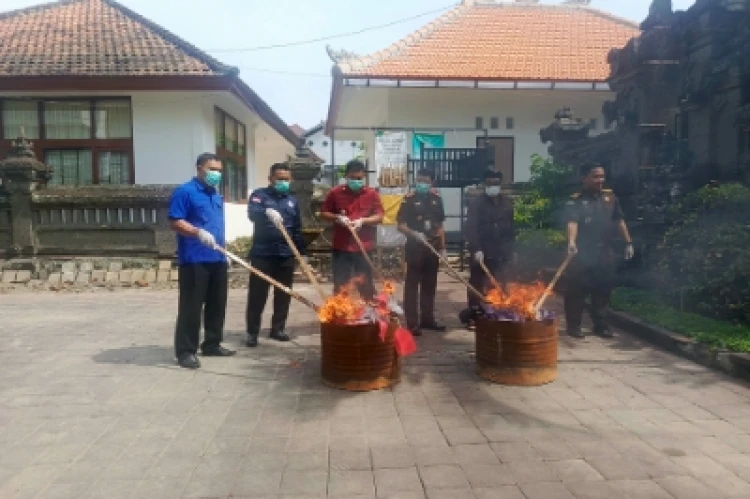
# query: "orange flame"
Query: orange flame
519,298
347,305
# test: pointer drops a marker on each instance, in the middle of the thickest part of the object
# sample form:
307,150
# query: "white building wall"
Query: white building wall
341,151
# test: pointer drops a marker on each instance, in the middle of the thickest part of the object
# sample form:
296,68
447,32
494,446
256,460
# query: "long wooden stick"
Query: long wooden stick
302,263
361,245
269,280
489,275
453,271
552,283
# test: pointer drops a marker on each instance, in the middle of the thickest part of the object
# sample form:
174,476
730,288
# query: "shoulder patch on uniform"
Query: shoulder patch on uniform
576,195
606,190
256,199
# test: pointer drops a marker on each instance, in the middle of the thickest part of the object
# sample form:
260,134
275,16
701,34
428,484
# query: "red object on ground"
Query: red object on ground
404,342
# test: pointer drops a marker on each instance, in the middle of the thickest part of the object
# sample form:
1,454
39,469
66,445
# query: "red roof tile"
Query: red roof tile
503,41
94,38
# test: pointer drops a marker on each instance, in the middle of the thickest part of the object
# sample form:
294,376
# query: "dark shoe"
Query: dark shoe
471,326
279,336
188,361
415,331
217,351
605,333
576,333
252,340
433,326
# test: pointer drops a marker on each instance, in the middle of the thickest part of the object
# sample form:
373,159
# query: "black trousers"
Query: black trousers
280,269
592,281
478,279
348,265
202,292
422,267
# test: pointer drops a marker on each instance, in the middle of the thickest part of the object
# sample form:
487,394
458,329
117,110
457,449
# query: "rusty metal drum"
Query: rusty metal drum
517,353
355,358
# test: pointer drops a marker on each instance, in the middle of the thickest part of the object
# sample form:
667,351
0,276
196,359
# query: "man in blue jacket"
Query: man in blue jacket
196,214
271,253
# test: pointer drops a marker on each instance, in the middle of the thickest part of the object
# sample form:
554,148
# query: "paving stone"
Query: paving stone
594,490
150,276
475,454
684,487
642,489
575,470
618,468
165,264
9,276
349,460
257,484
69,267
125,276
112,277
504,492
163,275
83,277
346,484
174,275
200,487
54,278
463,493
432,456
546,490
390,481
532,470
443,476
488,475
396,456
98,275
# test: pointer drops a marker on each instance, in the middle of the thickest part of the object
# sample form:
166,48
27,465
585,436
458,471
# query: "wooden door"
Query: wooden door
504,149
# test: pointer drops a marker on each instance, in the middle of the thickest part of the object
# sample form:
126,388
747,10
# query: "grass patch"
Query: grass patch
649,307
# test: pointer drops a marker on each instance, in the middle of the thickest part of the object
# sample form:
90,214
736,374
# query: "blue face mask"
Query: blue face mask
422,188
281,186
355,185
213,178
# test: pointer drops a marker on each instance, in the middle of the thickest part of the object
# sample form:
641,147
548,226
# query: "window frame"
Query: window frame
224,154
96,146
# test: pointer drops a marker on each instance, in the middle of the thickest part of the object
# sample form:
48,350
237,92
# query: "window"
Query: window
71,167
494,123
478,122
231,147
18,114
67,120
114,168
86,140
509,123
113,120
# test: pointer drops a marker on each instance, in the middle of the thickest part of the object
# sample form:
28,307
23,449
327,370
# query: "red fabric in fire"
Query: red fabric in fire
403,340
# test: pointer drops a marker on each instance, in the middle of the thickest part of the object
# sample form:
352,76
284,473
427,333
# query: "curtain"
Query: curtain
113,120
67,120
71,167
114,168
19,114
429,140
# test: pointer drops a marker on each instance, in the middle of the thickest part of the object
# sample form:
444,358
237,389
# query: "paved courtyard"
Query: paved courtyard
92,406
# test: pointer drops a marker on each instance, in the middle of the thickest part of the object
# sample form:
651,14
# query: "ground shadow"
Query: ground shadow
143,355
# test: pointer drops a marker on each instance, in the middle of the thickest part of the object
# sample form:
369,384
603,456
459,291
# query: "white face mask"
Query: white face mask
492,190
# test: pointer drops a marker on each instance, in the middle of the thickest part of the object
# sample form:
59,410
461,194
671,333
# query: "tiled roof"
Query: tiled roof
298,130
502,41
94,38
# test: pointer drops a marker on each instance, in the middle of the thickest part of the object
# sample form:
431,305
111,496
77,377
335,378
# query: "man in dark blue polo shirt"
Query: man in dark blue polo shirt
196,214
271,253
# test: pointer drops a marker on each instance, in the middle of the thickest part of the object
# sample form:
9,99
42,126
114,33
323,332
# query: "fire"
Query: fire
347,306
519,299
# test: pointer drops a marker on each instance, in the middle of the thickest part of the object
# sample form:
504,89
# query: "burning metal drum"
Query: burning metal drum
356,358
520,353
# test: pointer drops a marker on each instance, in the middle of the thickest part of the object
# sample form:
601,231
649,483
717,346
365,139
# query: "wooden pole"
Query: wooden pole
305,267
552,283
268,279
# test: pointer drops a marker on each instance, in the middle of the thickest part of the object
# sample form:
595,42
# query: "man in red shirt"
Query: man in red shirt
358,206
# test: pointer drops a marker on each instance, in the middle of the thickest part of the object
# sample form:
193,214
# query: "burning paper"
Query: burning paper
348,307
516,304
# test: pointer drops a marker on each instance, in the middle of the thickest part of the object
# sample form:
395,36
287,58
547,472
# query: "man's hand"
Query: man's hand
274,216
206,238
572,248
629,251
357,224
479,256
342,220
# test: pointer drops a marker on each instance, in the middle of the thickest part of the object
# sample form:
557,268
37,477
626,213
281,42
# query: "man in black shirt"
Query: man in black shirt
421,218
490,233
593,217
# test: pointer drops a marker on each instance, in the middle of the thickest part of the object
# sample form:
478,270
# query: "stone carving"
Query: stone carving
342,55
305,169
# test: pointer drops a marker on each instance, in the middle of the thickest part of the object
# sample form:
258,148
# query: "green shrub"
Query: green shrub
648,306
543,197
706,254
241,246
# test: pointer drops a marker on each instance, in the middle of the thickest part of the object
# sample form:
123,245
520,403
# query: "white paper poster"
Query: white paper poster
391,149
